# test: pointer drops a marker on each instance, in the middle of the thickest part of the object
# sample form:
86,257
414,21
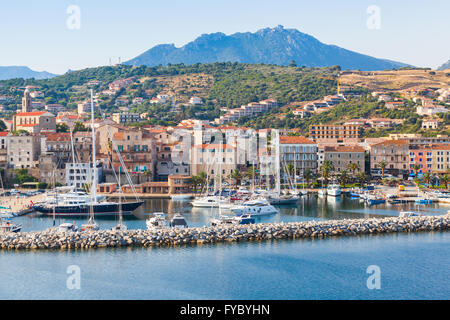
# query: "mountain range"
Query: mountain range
445,66
276,45
11,72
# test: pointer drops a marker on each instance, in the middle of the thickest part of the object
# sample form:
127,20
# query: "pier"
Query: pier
49,239
20,205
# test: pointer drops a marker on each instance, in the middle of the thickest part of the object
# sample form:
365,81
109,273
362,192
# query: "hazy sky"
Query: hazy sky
35,33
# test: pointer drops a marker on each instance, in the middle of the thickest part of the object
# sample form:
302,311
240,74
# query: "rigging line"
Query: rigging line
115,148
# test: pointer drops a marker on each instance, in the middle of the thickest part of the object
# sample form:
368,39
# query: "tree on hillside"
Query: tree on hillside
2,126
62,127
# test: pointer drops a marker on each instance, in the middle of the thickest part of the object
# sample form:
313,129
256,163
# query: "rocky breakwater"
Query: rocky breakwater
207,235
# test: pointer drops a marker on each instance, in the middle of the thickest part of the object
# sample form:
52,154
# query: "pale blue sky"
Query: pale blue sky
34,33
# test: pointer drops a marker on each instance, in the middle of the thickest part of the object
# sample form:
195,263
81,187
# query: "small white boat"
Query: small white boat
178,221
66,227
90,226
258,207
283,199
322,192
334,190
120,227
180,197
209,202
7,226
158,221
243,191
407,214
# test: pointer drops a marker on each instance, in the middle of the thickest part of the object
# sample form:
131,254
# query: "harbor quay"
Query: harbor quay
50,239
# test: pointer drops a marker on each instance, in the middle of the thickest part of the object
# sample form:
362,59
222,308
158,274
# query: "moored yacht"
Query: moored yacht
178,221
66,227
407,214
209,202
227,220
7,226
334,190
256,207
158,221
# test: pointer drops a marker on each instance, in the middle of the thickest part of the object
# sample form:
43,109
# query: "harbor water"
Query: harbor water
412,265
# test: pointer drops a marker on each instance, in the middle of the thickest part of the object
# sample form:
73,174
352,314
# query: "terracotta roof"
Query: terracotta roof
4,133
344,149
295,140
28,125
60,136
27,114
392,142
440,146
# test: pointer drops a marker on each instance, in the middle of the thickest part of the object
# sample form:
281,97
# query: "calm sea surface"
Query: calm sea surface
413,266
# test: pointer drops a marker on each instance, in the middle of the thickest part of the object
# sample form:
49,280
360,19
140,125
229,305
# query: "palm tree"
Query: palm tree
427,177
416,168
195,181
363,178
307,175
353,167
326,169
236,176
343,178
382,165
251,173
445,180
201,178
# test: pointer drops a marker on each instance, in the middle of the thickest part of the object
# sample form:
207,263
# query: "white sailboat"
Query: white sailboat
120,225
276,197
91,225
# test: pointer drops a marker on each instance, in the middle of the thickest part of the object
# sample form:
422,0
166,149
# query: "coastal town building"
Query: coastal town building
329,131
27,101
432,123
23,151
394,154
80,175
342,157
126,117
34,122
253,108
55,108
137,149
299,152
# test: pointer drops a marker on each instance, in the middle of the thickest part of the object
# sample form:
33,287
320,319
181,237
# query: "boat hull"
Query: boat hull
375,201
281,201
108,209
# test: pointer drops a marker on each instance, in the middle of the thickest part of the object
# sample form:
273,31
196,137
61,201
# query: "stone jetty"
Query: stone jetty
209,235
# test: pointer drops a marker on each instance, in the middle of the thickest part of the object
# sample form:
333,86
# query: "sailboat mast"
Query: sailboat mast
94,162
73,148
277,161
295,169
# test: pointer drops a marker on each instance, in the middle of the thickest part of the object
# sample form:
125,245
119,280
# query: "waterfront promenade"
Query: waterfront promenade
49,239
